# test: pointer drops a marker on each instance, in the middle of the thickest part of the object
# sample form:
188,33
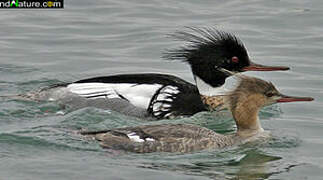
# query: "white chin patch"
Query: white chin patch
207,90
137,94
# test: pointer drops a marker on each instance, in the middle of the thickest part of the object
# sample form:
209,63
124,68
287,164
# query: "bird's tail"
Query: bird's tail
18,97
33,95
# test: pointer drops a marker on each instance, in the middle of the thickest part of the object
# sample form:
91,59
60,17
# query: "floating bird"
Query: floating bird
210,54
245,101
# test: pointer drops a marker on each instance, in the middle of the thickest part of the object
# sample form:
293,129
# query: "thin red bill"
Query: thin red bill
259,67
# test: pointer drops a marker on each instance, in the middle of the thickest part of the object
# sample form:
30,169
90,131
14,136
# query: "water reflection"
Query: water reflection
248,164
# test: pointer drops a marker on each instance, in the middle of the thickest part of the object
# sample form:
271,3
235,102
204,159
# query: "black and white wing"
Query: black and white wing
137,94
163,96
172,101
138,89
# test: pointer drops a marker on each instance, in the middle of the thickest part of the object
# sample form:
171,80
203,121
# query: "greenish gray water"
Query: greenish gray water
95,38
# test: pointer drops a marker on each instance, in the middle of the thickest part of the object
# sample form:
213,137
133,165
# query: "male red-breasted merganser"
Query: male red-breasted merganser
244,102
164,96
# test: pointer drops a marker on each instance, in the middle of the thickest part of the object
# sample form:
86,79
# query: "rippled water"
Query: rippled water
95,38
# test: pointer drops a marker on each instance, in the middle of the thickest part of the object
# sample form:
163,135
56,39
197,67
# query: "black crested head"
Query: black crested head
208,50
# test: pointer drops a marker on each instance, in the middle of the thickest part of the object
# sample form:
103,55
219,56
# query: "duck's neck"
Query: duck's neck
207,77
253,130
206,89
213,96
220,85
246,116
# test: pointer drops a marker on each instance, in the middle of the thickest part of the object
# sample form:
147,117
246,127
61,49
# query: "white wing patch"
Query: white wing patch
137,94
134,137
163,102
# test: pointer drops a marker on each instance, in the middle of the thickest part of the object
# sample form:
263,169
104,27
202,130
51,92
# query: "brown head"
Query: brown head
249,96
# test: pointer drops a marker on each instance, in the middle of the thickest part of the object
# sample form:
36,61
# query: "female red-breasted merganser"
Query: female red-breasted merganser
164,96
244,102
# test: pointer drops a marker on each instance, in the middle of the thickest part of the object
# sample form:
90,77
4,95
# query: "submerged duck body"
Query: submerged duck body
162,138
147,95
244,103
210,54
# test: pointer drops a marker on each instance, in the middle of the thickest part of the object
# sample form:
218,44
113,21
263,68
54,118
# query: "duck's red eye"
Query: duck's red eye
235,59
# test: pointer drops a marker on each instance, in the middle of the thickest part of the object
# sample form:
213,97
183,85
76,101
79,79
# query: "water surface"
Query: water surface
94,38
